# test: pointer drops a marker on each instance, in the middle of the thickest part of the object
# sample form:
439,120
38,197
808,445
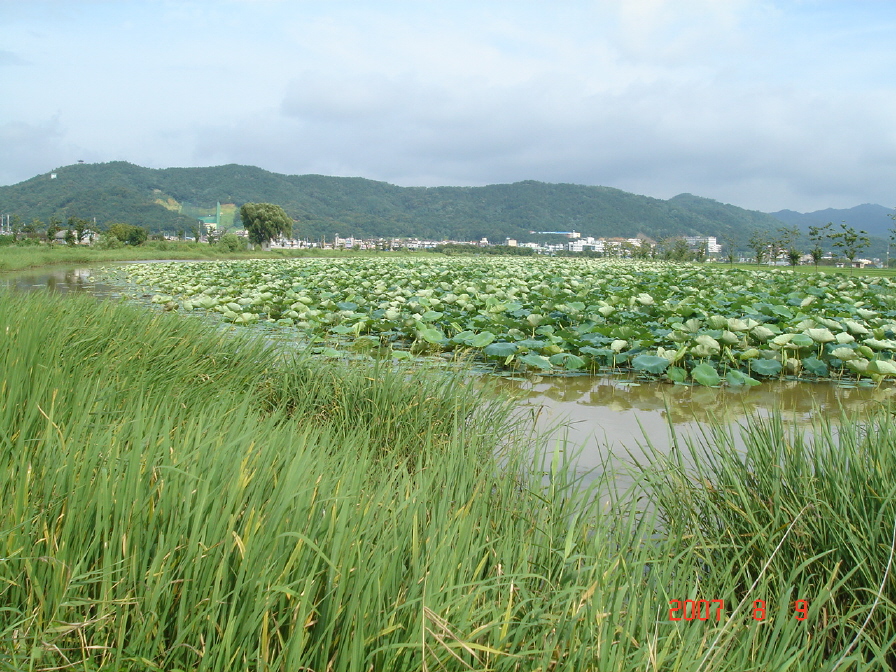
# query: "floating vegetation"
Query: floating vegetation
681,323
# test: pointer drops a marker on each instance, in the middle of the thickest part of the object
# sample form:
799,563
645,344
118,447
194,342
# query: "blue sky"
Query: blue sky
763,104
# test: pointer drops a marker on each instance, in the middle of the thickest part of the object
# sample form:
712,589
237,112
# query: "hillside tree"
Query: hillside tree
818,234
759,244
891,239
264,222
850,242
53,226
128,233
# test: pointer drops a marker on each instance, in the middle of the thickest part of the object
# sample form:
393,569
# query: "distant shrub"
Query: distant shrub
108,242
230,242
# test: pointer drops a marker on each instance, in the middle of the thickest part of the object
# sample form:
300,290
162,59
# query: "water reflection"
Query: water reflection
619,414
62,280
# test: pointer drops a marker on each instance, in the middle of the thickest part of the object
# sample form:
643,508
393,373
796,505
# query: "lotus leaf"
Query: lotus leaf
709,342
535,361
568,361
880,345
482,339
820,335
729,338
766,367
618,345
815,366
706,375
859,365
737,378
855,328
650,363
844,353
762,332
676,374
431,335
883,367
501,349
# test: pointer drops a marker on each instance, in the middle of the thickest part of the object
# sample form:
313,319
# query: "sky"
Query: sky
764,104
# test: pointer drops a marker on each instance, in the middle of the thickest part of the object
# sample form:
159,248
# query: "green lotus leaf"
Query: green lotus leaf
431,335
855,328
708,341
820,335
801,341
464,337
765,367
879,345
535,361
703,351
815,366
729,338
844,353
883,367
705,375
737,378
650,363
618,345
596,352
501,349
762,332
568,361
676,374
859,365
482,339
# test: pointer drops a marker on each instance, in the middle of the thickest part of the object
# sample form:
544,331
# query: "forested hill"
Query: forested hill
166,199
874,219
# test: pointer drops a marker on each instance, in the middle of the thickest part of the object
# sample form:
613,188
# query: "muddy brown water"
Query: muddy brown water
592,416
598,414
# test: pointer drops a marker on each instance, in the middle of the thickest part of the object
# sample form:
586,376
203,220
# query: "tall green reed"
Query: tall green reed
175,498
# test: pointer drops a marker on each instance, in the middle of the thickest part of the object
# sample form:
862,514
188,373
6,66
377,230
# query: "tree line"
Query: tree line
842,242
76,230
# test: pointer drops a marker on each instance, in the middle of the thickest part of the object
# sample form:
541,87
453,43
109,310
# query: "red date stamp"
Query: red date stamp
705,610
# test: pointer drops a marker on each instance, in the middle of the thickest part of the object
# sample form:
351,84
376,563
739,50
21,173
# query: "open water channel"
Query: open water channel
597,414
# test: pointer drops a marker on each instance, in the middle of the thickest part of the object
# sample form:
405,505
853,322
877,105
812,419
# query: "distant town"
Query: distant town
701,248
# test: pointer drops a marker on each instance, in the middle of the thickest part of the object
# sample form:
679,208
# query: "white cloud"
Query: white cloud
764,104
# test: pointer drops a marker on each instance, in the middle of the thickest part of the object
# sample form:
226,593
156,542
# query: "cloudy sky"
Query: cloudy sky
766,104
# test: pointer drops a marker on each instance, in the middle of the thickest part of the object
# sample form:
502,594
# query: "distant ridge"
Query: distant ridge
324,206
872,218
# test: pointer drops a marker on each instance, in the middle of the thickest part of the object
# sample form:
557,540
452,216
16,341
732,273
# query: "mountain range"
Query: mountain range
874,219
170,199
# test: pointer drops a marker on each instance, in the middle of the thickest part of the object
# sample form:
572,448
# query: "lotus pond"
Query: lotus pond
681,323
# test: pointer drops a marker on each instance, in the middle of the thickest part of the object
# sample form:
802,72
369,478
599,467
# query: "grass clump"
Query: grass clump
176,498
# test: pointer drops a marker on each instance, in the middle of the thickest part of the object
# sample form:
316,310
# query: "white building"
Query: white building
712,246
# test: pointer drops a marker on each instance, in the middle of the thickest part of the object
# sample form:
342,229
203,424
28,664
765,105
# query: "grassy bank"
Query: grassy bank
174,499
15,258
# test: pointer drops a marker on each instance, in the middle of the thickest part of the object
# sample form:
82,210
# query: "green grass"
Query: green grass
175,498
811,268
15,258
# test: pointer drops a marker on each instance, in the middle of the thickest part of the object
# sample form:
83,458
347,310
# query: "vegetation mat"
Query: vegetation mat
174,498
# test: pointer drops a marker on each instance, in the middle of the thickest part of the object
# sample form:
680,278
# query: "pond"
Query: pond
601,413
